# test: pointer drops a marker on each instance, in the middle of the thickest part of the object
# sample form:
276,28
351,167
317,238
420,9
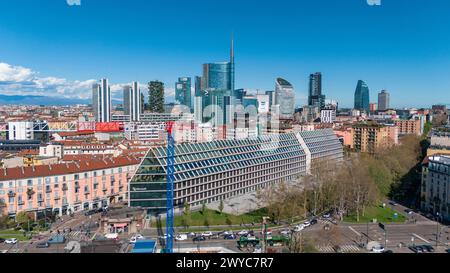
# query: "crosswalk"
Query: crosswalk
76,236
344,249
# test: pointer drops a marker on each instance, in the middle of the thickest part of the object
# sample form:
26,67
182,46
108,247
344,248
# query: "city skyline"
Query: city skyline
404,66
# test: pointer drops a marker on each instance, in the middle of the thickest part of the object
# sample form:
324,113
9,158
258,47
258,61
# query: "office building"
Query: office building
383,100
263,103
362,97
101,101
183,92
284,99
217,170
272,98
132,101
315,97
327,115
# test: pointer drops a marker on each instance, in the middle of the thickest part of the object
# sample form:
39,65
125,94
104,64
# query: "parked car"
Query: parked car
306,224
11,241
427,248
448,250
181,237
199,239
191,234
2,240
243,233
416,249
43,245
299,228
327,215
136,237
229,237
313,222
388,251
378,249
112,236
285,232
225,233
90,212
409,211
392,203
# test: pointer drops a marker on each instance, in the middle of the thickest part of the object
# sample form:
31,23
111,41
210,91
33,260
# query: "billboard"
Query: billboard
101,127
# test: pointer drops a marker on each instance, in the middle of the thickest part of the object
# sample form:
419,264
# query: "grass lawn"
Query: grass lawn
10,233
383,215
216,218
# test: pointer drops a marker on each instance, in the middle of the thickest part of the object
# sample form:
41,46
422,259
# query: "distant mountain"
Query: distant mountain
43,100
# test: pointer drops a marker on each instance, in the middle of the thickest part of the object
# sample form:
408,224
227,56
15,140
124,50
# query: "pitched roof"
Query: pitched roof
66,168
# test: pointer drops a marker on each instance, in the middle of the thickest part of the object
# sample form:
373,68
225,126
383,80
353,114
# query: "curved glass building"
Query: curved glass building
362,96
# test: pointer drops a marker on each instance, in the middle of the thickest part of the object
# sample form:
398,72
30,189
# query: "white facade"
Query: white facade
328,116
51,150
145,131
263,103
101,101
132,101
22,130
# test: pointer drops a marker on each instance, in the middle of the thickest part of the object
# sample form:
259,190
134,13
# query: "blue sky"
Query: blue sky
49,47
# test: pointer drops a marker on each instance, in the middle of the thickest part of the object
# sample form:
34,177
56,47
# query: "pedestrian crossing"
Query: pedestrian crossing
344,249
76,236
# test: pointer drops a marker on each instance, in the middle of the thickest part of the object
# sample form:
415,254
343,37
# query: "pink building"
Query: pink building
67,187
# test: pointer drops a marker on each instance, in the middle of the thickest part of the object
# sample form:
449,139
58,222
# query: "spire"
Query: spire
232,49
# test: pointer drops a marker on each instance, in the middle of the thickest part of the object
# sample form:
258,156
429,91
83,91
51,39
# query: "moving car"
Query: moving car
181,237
229,237
243,233
199,239
207,234
11,241
43,245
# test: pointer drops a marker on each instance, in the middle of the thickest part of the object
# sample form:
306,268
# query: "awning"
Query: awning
120,225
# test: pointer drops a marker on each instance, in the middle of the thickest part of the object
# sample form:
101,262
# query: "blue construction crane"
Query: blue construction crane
170,180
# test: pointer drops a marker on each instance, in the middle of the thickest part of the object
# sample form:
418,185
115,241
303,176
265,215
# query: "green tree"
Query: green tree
206,221
203,208
228,221
221,206
187,209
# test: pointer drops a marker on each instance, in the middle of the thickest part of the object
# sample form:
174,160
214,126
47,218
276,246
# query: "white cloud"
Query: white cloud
18,80
73,2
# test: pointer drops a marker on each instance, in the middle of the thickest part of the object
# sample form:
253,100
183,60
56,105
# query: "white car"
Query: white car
163,237
306,224
299,228
136,237
225,233
285,232
207,234
112,236
243,233
11,241
378,249
181,237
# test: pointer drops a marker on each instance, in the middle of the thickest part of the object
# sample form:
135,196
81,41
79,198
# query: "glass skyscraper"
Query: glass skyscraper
315,97
101,101
285,99
183,91
362,96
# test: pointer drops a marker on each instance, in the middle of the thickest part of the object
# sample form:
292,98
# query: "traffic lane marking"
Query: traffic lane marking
421,238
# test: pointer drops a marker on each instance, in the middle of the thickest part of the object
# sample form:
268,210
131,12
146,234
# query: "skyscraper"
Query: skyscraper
362,96
156,96
132,101
284,98
198,100
383,100
183,91
101,101
315,97
272,98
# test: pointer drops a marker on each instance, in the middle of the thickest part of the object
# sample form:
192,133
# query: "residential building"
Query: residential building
68,187
132,101
22,130
327,115
370,137
373,107
101,101
156,96
213,171
439,143
410,127
435,197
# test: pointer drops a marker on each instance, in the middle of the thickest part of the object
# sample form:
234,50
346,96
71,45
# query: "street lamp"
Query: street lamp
437,229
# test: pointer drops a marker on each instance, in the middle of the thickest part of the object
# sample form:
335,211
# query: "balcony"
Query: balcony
48,190
11,194
64,187
20,202
57,197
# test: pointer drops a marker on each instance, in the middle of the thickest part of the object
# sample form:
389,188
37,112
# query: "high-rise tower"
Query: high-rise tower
362,96
383,100
132,101
101,101
315,97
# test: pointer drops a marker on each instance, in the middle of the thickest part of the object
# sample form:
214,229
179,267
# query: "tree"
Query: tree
228,221
206,221
187,209
221,206
156,96
203,208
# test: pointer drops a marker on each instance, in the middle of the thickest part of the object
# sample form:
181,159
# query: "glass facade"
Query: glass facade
183,92
362,97
285,98
213,171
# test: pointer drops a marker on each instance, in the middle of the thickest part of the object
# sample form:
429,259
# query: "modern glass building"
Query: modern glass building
183,92
285,98
315,97
101,101
362,99
132,101
212,171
